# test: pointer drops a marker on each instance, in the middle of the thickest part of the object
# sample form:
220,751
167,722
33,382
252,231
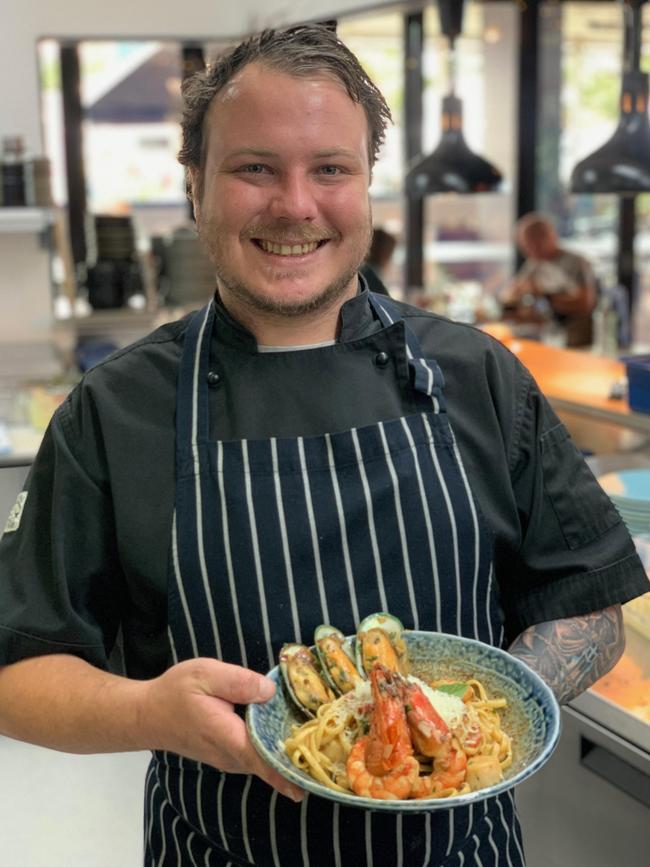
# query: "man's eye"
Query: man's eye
253,169
330,170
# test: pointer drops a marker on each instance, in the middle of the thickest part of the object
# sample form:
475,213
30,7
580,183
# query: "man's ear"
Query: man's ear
193,185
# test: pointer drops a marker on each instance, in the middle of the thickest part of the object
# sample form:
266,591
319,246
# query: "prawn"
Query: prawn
429,732
449,772
381,764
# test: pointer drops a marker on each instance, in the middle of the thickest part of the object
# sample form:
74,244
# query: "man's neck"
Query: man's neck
277,329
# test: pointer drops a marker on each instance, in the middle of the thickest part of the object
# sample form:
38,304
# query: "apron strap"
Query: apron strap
192,418
426,376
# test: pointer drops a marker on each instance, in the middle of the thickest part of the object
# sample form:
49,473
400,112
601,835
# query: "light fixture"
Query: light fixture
452,166
622,164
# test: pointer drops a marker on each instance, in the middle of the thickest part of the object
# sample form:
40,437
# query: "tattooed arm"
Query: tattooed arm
572,654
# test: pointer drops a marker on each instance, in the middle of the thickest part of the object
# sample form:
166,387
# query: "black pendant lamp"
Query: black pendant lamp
622,164
452,167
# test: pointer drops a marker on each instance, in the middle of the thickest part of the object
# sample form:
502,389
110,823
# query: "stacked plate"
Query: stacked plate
629,490
115,237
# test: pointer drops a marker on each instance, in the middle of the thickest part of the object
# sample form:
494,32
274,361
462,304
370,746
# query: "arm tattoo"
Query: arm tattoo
572,654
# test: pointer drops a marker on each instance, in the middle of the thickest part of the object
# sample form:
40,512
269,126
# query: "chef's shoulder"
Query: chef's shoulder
134,386
466,354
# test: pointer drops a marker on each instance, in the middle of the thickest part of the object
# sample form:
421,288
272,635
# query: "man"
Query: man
563,282
285,458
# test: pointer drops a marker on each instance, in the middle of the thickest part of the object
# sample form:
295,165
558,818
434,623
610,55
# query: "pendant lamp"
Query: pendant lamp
622,164
452,167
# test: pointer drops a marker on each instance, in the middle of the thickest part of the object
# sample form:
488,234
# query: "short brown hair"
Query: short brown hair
300,51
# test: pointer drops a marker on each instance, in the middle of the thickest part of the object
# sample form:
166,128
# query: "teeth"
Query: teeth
286,249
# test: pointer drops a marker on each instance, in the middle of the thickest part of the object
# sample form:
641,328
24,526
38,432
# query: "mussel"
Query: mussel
336,657
303,678
379,640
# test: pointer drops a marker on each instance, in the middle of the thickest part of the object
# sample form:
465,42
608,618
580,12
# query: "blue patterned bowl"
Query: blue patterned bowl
532,717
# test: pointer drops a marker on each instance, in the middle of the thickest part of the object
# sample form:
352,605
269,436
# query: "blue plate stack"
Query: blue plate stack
629,490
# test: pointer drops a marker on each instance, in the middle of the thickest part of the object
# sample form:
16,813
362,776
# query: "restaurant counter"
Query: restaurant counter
590,805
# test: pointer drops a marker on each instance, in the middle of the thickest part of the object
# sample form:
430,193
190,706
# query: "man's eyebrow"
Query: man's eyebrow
336,152
251,152
327,153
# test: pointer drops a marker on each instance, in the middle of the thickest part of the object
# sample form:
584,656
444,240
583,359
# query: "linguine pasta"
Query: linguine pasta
321,746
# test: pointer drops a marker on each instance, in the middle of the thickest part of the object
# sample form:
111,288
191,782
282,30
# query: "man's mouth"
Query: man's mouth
288,249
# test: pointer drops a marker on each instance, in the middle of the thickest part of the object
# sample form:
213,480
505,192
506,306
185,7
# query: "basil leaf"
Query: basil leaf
458,689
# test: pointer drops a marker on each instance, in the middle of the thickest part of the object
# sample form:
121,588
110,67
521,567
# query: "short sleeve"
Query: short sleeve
60,578
575,554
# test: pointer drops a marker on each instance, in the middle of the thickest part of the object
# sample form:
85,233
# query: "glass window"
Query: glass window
580,51
378,42
584,41
468,238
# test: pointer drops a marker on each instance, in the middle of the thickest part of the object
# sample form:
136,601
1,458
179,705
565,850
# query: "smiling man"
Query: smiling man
298,452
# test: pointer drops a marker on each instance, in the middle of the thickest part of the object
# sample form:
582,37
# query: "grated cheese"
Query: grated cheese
452,709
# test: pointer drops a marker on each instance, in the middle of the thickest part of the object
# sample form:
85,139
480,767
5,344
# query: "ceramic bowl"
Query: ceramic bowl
532,717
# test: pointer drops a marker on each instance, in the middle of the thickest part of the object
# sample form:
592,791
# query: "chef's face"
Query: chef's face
284,210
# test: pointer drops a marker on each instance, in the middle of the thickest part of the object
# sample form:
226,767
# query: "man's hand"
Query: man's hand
189,710
62,702
573,653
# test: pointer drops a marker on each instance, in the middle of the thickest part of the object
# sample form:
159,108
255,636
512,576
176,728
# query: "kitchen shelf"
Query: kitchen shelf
24,220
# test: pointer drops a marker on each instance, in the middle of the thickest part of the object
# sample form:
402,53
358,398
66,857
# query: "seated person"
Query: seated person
551,284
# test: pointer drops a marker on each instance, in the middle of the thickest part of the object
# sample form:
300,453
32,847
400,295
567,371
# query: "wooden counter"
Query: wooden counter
579,382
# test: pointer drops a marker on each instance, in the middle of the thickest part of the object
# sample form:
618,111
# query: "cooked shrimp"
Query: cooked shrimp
449,772
381,765
429,732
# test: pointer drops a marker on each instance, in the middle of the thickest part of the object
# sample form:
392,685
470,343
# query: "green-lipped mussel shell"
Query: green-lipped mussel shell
303,679
337,662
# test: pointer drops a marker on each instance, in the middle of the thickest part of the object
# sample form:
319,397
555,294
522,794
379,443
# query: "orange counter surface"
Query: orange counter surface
578,381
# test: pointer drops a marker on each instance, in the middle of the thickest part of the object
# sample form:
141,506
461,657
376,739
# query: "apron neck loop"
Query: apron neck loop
426,376
192,417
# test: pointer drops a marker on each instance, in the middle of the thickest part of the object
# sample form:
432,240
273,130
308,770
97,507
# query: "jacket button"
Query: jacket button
213,378
382,359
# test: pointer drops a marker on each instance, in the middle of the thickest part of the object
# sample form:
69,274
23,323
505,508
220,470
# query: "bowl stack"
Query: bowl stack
115,276
189,276
629,490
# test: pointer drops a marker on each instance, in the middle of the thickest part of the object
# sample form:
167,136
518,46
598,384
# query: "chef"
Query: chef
298,452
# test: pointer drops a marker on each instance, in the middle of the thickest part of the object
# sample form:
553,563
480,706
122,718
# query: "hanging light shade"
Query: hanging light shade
452,167
622,164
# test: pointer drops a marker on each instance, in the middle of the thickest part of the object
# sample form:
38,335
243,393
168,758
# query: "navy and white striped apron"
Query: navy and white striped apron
272,538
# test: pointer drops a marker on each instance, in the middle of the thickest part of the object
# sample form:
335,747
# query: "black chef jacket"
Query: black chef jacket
89,557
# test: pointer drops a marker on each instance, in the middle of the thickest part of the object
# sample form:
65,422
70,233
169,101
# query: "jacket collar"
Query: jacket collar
357,320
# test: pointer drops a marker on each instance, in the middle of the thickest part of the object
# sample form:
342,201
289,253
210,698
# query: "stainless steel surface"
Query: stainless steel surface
615,719
594,434
638,421
574,817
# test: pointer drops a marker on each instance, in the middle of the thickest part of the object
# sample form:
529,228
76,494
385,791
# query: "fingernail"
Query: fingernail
265,689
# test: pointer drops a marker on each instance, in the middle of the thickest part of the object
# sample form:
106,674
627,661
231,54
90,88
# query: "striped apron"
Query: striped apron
272,538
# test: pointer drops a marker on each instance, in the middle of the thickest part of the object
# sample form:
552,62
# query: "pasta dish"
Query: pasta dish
394,736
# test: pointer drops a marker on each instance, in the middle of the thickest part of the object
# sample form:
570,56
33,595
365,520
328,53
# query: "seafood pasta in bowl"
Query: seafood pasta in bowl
403,720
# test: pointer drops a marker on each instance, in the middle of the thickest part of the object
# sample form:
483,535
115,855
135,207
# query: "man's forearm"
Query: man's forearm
62,702
572,654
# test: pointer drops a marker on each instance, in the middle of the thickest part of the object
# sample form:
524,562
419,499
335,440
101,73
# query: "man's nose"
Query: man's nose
293,199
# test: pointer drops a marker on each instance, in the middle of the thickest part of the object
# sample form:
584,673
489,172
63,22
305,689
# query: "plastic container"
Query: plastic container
638,382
